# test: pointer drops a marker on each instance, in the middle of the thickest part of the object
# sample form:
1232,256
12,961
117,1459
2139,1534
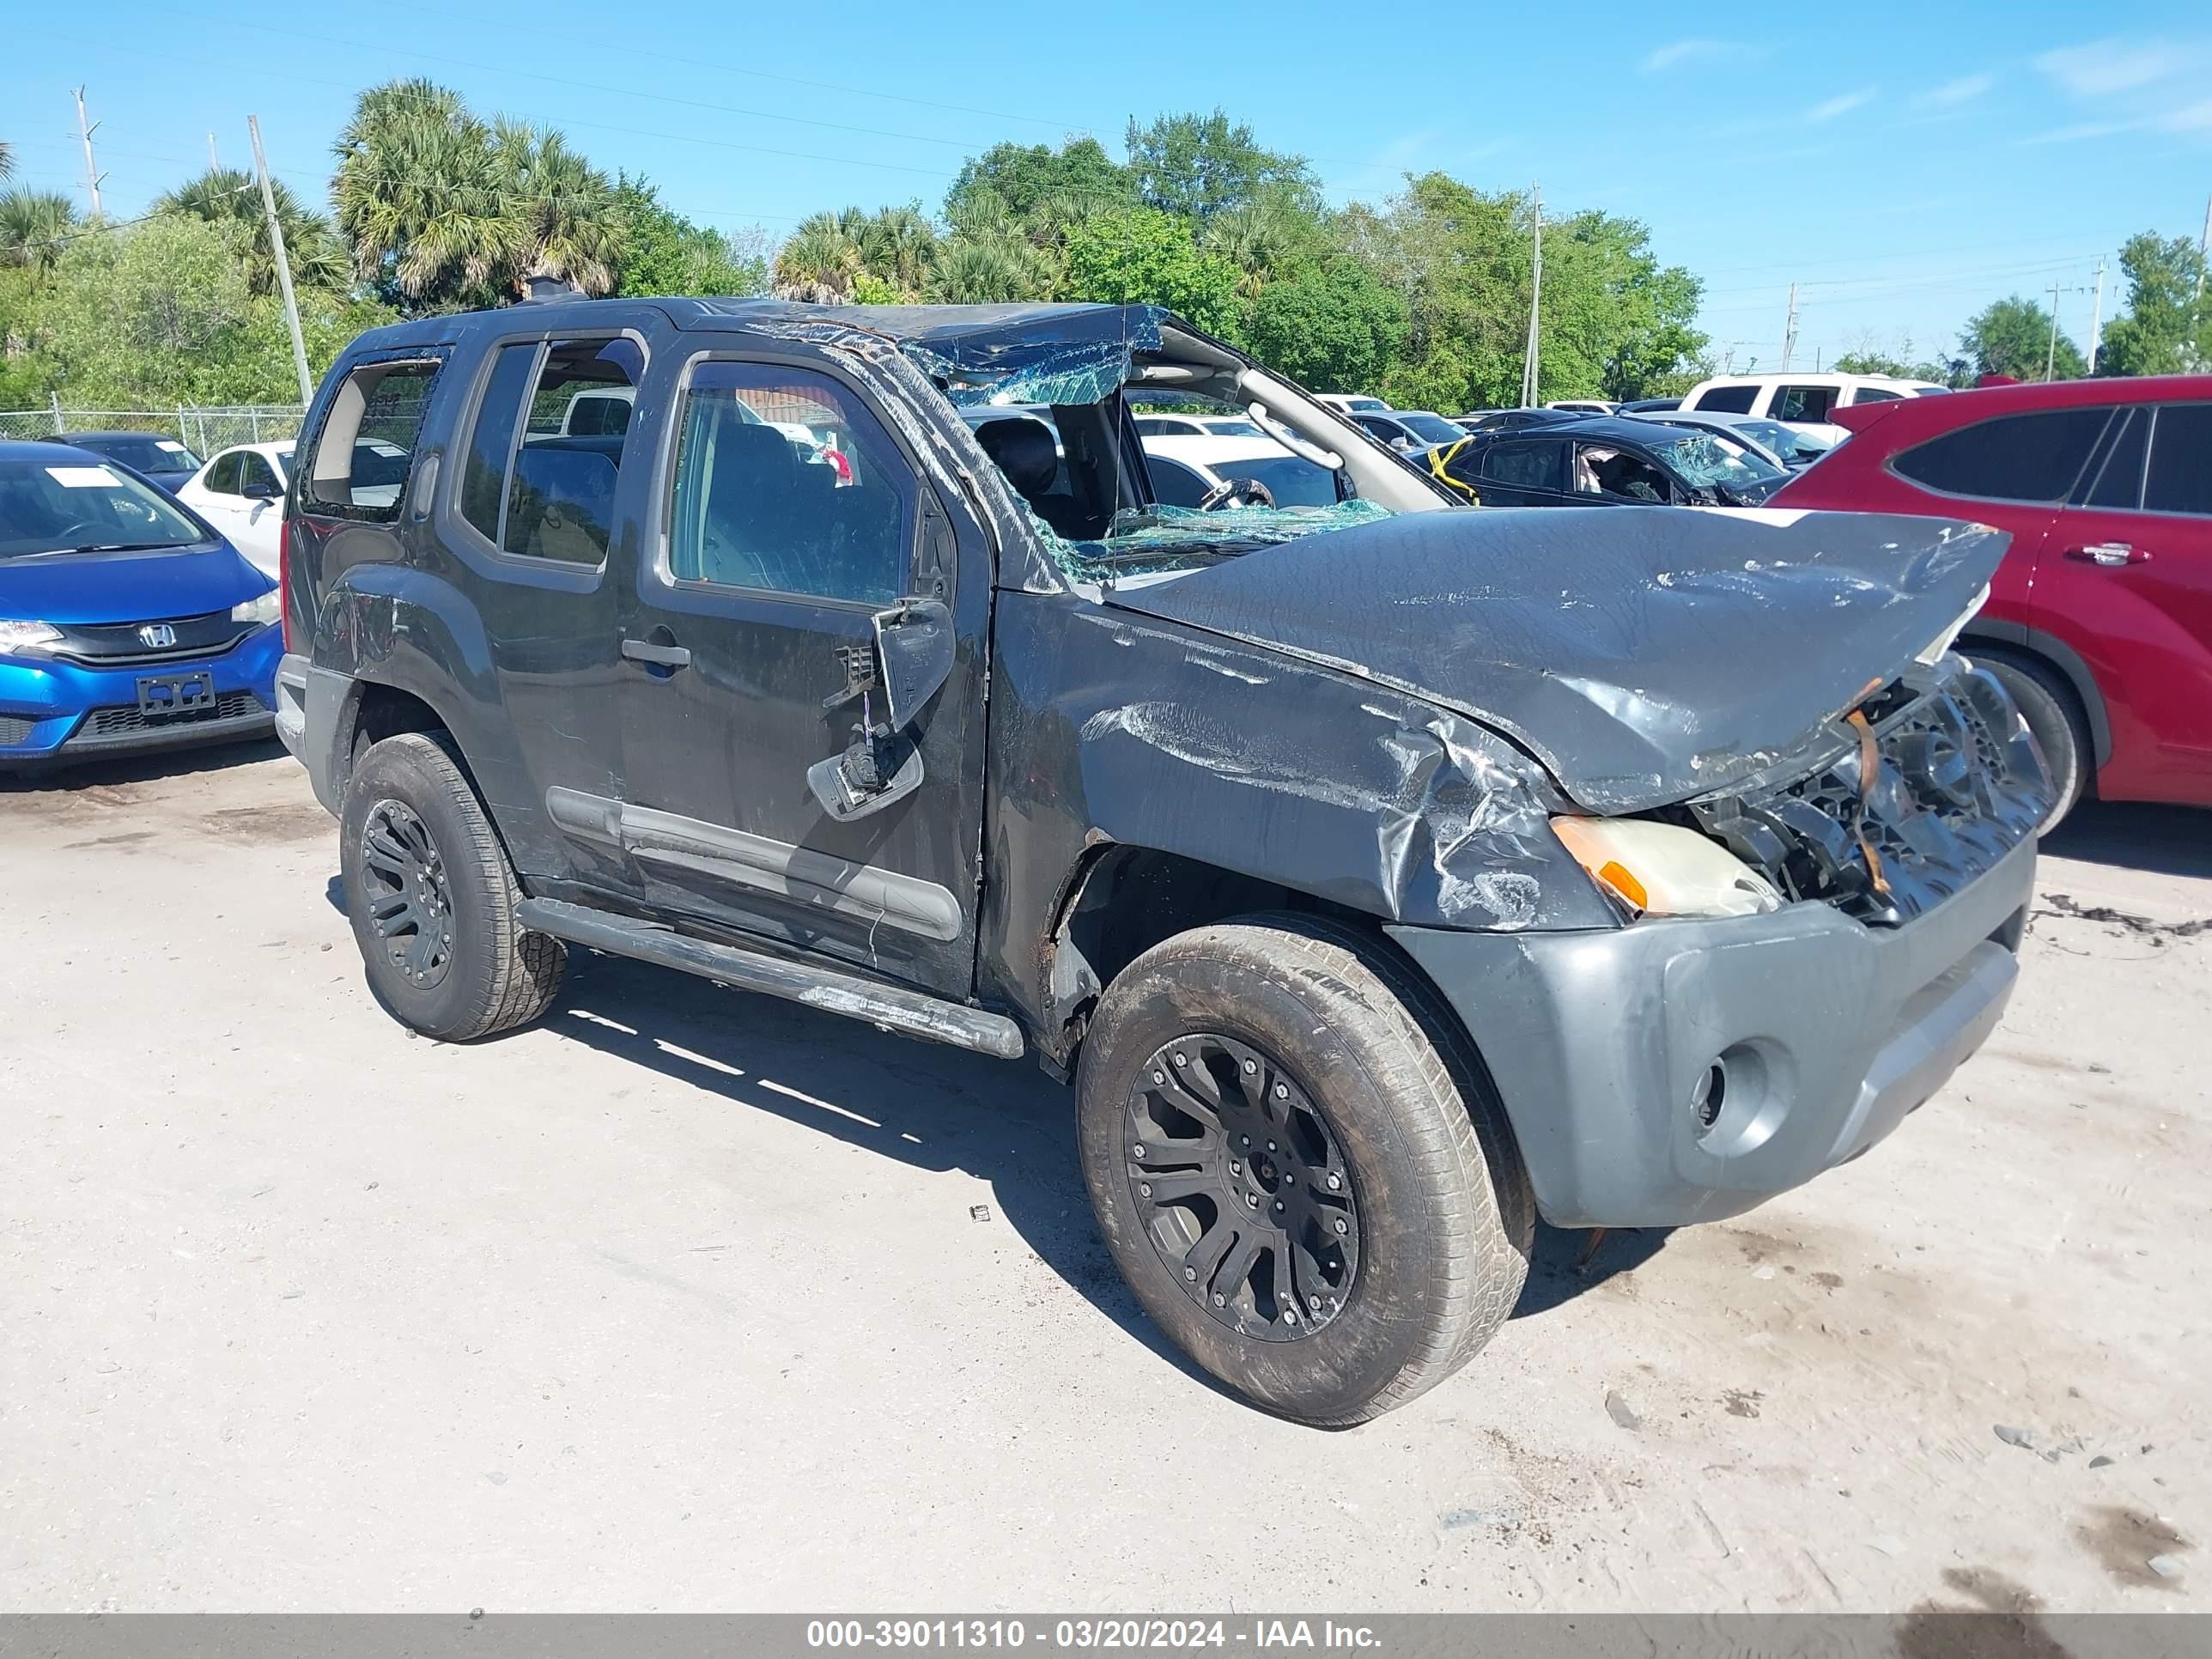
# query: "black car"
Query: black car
1601,460
1374,901
154,456
1512,420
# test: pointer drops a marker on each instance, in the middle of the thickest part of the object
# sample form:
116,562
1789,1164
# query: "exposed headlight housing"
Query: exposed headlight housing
27,639
1665,870
263,610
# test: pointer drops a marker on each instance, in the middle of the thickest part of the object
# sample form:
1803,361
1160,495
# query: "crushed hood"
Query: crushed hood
1644,655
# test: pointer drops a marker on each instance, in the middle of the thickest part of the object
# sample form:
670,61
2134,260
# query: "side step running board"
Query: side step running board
910,1013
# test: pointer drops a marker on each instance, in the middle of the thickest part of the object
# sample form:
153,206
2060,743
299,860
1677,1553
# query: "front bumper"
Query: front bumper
56,713
1829,1032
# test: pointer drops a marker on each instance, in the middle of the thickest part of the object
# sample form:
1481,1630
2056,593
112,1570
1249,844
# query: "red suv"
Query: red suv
2100,620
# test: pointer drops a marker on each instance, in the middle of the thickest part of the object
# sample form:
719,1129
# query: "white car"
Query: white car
1196,426
1792,447
1188,471
1346,404
1799,399
240,491
1584,406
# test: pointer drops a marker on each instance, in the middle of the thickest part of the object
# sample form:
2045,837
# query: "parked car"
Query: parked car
1214,470
1408,430
1790,447
126,622
240,491
1195,426
1346,403
1648,405
1612,459
154,456
1584,406
1375,900
2100,620
1511,420
1800,398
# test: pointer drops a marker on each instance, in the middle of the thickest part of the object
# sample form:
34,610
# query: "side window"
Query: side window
2014,457
491,441
361,460
256,478
1175,484
2120,481
786,481
1874,394
2180,476
1523,466
560,498
1729,399
1803,402
222,477
1385,430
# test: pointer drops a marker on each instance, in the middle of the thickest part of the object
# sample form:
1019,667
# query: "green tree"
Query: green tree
568,226
1337,327
988,270
663,252
819,262
233,195
898,248
421,200
7,160
2166,330
1029,180
35,227
1197,165
166,313
2012,337
1139,256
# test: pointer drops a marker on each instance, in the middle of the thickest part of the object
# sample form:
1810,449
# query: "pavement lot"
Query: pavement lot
681,1300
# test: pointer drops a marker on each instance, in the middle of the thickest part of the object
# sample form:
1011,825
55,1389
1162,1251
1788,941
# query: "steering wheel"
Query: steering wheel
1236,492
87,530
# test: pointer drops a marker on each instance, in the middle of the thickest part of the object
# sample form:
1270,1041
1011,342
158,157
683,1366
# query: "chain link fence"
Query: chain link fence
202,429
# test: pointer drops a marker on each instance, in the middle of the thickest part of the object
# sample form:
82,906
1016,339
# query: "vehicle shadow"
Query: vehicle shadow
2171,840
935,1108
1567,1263
138,769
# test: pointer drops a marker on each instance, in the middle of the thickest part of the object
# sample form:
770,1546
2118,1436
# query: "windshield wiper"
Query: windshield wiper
125,547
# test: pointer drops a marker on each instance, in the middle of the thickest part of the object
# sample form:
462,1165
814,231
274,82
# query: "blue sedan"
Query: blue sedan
126,623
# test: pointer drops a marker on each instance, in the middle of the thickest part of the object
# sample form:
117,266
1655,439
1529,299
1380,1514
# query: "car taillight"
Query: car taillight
285,579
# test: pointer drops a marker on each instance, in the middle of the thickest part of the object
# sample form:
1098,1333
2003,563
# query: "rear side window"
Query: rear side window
1175,484
786,481
360,461
222,477
1729,399
2180,476
1874,394
2016,458
550,495
1523,466
1803,402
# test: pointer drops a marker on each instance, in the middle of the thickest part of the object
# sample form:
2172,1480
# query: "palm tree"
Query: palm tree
986,270
35,227
1254,236
899,245
819,262
422,198
7,160
572,225
231,196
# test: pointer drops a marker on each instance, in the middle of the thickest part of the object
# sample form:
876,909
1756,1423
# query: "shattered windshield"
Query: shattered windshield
1158,539
1706,459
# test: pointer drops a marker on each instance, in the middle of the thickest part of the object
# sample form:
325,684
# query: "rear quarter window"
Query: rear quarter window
364,453
2014,457
1729,399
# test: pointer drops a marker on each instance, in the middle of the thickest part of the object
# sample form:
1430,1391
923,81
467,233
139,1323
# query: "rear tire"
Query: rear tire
1396,1277
2054,715
431,897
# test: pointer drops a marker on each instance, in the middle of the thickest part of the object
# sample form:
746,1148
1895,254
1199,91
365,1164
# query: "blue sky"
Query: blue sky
1904,163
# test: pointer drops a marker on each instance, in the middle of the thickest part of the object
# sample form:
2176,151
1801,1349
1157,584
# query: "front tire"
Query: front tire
2054,716
1300,1166
431,897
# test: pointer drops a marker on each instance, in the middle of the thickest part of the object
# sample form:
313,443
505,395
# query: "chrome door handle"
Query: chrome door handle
2110,554
660,656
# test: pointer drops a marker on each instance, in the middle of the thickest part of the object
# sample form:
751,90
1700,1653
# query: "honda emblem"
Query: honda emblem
158,636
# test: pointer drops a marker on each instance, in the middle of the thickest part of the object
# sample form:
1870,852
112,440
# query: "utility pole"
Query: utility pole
1789,330
2050,357
2097,319
92,174
283,265
1528,362
215,164
2203,247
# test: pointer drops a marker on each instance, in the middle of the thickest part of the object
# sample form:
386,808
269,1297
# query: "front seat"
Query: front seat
1025,453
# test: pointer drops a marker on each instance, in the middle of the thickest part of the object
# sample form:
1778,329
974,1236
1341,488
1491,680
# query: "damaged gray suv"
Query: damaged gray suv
1385,874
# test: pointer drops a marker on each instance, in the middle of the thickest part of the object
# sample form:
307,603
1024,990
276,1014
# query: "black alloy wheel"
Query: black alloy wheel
1238,1182
403,884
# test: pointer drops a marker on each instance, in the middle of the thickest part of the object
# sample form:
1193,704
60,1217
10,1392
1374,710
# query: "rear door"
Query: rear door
788,515
216,496
1521,472
260,510
2126,580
